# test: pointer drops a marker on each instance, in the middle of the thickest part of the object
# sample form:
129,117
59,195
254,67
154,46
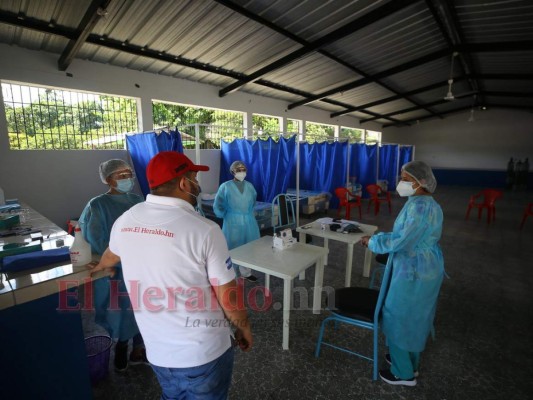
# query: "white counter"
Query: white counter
24,286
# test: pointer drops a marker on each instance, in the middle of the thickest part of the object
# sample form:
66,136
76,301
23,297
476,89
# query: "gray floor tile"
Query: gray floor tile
483,325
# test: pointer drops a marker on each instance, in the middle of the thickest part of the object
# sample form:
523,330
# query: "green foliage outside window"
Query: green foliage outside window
293,126
54,119
265,125
215,125
354,135
318,132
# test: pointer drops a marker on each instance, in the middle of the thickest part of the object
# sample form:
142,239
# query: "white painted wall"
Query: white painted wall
59,183
454,143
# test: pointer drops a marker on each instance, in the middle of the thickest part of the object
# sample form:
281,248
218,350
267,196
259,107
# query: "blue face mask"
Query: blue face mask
125,185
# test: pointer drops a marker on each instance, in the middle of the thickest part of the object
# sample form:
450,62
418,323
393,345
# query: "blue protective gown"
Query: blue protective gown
237,211
96,222
417,272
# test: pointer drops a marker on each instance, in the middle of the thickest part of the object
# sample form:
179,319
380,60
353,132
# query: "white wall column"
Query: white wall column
248,125
145,115
283,123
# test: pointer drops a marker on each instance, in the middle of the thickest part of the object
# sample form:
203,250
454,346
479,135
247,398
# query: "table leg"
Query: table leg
349,259
326,246
302,240
317,292
366,265
286,311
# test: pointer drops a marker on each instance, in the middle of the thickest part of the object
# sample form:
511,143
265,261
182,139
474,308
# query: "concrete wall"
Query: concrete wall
454,143
59,183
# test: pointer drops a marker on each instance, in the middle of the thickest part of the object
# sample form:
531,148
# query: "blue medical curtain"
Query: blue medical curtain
323,167
406,155
363,164
271,165
388,164
143,146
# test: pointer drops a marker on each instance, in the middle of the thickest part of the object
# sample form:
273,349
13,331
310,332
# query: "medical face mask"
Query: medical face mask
197,185
240,176
125,185
405,189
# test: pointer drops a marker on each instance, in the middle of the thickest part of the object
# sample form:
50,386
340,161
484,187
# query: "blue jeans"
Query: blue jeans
210,381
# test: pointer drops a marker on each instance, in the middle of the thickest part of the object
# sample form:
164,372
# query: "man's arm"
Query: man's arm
235,312
108,261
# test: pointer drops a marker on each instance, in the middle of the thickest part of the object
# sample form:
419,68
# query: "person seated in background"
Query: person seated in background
234,203
96,222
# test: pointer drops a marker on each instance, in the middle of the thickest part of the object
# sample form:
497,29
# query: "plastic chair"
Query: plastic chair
286,216
378,196
344,196
359,307
484,199
527,212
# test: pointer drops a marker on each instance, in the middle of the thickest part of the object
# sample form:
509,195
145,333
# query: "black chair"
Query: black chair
360,307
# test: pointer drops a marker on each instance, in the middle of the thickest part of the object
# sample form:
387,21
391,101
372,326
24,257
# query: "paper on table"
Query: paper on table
329,221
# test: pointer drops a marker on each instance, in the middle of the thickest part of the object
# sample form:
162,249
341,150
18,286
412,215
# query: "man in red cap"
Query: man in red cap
181,283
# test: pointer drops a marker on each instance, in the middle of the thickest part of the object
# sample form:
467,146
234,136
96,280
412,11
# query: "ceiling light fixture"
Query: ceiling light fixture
449,95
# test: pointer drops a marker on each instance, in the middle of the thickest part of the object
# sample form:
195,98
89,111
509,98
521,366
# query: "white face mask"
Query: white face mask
405,189
240,176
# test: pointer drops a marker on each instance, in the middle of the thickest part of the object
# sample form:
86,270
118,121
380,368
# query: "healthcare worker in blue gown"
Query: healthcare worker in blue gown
234,203
417,273
96,222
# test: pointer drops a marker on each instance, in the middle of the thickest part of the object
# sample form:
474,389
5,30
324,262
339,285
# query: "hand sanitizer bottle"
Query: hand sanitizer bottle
80,250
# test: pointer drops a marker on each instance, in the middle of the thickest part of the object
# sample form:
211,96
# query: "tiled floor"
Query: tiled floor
483,347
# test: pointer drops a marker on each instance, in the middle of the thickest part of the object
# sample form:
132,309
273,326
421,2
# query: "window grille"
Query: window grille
40,118
214,125
354,135
265,125
210,135
293,125
319,132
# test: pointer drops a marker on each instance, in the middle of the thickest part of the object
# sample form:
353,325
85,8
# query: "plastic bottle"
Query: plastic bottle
80,250
2,198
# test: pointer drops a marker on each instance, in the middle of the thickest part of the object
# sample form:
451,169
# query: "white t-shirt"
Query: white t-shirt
171,256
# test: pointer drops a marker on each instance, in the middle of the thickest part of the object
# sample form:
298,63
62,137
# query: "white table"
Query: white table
285,264
314,229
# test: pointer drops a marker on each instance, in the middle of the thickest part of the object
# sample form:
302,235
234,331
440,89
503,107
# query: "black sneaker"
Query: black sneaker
389,361
388,377
251,278
138,357
121,358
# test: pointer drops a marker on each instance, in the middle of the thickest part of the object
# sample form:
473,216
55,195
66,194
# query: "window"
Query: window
294,125
265,125
355,135
319,132
373,137
41,118
214,125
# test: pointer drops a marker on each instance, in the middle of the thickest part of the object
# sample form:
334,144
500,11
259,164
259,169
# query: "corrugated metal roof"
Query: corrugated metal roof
357,57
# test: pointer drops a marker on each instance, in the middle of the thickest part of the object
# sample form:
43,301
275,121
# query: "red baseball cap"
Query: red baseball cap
168,165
